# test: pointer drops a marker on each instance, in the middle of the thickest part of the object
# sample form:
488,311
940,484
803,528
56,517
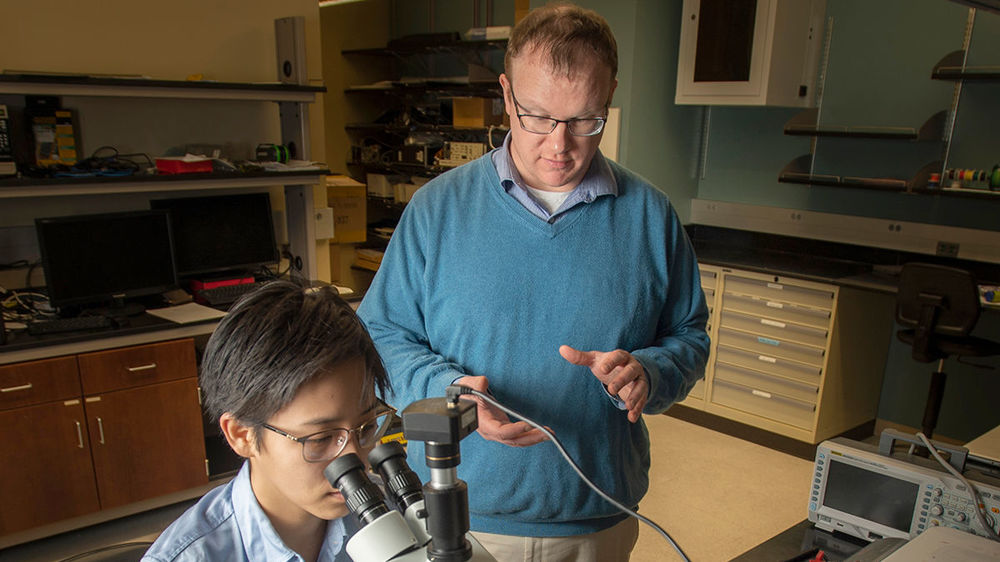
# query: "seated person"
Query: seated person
291,375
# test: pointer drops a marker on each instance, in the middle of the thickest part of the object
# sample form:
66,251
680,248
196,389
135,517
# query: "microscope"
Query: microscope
428,522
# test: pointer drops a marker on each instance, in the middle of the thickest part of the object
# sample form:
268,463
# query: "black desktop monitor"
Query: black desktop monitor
103,260
221,234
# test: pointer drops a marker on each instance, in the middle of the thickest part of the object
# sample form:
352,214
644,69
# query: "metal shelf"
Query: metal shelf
49,187
951,67
805,124
86,85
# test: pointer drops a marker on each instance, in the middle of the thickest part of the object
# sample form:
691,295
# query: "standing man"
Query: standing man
560,281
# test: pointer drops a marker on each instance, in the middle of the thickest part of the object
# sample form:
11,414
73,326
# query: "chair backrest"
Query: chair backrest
936,300
951,293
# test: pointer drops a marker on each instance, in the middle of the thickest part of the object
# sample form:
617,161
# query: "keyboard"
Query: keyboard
226,294
75,324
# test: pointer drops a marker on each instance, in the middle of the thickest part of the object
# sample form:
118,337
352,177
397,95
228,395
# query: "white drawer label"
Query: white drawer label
760,393
773,304
774,323
767,359
775,286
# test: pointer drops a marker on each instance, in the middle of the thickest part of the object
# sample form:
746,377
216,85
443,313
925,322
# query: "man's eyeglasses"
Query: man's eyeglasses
324,446
539,125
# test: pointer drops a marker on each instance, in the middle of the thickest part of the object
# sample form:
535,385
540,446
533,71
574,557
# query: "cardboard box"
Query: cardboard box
476,112
349,201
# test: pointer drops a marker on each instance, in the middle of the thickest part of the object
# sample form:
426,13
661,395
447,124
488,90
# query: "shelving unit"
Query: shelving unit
937,128
290,98
404,96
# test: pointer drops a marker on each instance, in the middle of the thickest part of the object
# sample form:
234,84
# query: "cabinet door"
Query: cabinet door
146,441
45,472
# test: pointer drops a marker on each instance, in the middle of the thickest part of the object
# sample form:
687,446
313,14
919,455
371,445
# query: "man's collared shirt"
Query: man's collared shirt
229,524
596,182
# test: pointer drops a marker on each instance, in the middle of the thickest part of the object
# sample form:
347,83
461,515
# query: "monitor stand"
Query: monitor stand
120,309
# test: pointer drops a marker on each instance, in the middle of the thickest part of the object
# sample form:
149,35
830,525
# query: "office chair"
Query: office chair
939,306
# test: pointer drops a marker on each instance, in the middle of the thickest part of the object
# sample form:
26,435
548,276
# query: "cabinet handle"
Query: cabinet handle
142,367
16,388
100,429
79,434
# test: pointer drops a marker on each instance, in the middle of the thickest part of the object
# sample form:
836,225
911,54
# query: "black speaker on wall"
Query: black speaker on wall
290,37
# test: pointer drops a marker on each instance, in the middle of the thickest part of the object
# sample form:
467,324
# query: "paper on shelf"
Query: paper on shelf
187,313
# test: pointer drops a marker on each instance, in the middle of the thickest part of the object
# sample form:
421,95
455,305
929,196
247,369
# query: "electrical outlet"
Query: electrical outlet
947,249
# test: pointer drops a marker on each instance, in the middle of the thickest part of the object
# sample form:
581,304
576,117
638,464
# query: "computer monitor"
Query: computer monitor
221,234
102,260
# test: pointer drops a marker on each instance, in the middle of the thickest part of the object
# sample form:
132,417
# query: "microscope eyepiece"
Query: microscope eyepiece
389,460
364,499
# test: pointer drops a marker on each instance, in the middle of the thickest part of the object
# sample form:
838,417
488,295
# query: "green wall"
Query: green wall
881,56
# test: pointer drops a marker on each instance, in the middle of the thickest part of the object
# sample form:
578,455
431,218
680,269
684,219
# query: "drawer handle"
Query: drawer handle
767,359
79,434
760,393
100,429
16,388
142,368
773,323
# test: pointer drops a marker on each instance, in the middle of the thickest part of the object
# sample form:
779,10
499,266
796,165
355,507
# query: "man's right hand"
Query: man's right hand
494,424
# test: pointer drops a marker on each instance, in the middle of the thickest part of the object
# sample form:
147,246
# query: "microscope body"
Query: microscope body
430,522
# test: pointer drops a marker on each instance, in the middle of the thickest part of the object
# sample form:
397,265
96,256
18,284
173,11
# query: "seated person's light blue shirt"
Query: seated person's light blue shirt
228,523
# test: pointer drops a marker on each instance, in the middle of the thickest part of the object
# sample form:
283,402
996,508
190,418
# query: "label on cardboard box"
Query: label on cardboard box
349,201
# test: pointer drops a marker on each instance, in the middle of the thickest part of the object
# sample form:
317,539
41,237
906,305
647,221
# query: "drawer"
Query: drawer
709,279
785,312
763,404
35,382
773,328
771,347
781,292
140,365
768,383
769,364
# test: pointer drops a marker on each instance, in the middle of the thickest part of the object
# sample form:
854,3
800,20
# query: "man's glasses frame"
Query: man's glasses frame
381,409
539,125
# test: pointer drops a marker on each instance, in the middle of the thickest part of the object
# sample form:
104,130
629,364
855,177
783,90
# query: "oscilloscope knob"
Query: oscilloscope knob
960,517
936,510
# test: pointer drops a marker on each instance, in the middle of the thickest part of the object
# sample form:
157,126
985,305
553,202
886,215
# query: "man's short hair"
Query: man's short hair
276,339
568,34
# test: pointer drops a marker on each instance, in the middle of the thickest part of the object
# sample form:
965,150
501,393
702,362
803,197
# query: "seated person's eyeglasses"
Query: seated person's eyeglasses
539,125
326,445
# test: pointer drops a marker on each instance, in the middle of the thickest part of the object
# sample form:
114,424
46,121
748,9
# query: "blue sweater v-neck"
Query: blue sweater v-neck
472,283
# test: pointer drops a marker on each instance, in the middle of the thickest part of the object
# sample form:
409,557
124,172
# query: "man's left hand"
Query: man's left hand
618,371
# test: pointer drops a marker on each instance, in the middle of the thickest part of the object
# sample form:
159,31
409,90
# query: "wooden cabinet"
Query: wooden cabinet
794,357
46,474
97,431
749,52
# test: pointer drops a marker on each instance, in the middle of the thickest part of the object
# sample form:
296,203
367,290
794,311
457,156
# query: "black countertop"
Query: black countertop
849,265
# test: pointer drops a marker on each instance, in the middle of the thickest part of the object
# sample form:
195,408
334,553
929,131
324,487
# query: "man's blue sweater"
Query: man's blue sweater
473,284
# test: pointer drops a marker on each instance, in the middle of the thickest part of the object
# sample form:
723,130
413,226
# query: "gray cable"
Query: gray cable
492,401
972,490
